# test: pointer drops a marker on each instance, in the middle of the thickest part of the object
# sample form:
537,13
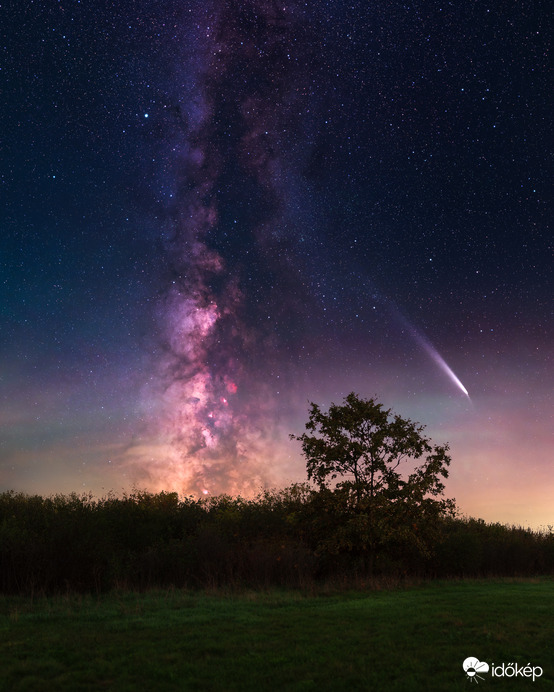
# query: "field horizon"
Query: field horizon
413,637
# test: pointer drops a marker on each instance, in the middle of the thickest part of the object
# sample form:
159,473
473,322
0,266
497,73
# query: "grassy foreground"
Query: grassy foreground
402,639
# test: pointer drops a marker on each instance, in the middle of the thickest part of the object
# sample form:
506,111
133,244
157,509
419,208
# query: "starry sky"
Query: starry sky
215,212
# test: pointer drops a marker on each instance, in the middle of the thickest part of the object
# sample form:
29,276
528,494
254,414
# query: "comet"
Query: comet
428,347
439,360
443,365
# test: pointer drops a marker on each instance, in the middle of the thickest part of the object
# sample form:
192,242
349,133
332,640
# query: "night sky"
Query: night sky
214,212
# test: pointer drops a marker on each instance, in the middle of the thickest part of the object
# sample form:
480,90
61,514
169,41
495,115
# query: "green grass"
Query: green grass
403,639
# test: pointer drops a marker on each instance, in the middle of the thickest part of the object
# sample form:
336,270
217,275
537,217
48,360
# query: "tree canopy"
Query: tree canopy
379,465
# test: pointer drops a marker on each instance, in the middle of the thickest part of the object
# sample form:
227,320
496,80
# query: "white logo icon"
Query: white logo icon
473,666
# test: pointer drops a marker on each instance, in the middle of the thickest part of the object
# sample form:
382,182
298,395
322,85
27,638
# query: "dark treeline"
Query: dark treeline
296,537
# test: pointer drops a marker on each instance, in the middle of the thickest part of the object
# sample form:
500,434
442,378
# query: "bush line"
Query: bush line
285,538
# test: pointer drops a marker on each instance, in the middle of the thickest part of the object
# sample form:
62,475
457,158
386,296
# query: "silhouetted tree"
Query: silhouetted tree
367,448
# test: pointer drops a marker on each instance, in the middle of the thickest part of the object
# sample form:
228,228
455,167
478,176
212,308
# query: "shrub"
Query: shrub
290,537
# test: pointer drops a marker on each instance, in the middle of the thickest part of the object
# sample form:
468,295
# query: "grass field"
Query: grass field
400,639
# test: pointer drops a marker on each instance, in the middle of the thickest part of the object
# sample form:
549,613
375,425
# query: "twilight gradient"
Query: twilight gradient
217,212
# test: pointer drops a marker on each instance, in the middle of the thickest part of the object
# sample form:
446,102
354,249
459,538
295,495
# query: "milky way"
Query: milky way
230,250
